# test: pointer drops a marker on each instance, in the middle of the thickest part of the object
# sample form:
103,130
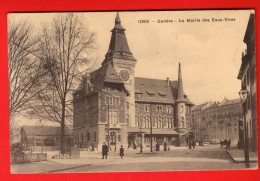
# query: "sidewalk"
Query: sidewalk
176,154
238,156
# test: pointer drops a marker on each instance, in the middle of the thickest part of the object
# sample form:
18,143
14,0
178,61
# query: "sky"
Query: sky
209,52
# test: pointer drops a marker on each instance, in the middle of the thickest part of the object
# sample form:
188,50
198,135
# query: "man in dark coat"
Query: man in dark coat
190,139
165,146
157,146
122,151
104,150
193,143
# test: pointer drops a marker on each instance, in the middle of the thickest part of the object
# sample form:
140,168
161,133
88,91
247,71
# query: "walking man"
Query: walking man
104,150
193,143
165,146
122,151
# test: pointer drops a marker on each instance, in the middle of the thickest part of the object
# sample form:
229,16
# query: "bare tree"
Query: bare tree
65,48
23,67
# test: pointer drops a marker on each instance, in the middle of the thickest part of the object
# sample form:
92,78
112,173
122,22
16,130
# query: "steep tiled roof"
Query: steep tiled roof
106,73
181,95
155,86
45,130
118,47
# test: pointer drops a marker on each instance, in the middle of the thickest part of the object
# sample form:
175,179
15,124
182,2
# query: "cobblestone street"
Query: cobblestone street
209,157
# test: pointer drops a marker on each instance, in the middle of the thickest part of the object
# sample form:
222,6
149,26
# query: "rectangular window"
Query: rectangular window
116,101
181,109
106,100
112,100
168,109
187,110
127,119
137,121
146,107
159,108
113,117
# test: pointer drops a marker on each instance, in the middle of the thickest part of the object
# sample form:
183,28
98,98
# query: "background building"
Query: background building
215,122
198,126
112,105
247,75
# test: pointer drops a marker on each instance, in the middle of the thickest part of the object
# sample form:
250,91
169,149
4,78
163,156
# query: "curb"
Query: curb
235,161
64,169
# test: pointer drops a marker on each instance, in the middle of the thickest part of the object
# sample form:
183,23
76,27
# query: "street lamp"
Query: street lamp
141,145
243,96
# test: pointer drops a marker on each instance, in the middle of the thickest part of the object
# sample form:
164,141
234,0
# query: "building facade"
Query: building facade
198,126
216,121
112,105
247,75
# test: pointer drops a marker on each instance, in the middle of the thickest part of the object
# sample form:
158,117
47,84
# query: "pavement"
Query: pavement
208,157
238,156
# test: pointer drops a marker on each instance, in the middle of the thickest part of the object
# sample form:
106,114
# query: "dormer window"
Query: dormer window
150,95
162,94
138,95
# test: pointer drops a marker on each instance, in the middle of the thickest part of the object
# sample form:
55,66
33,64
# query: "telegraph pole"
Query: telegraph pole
151,129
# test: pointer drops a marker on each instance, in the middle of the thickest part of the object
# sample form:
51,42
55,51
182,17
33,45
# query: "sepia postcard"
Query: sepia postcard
132,91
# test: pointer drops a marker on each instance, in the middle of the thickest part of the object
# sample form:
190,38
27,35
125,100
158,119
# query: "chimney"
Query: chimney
167,81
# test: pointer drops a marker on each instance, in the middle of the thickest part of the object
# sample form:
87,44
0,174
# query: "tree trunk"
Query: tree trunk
63,129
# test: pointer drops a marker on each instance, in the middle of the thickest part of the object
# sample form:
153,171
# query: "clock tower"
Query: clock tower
120,56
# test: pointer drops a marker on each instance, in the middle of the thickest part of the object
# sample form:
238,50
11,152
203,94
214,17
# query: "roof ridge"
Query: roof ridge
154,79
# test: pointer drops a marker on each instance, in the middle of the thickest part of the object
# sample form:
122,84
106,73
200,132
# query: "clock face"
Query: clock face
124,75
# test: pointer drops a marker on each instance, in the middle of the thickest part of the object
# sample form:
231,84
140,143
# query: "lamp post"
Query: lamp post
241,134
141,145
243,96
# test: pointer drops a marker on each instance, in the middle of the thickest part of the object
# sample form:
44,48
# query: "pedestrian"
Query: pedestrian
191,137
165,146
104,150
228,144
157,147
193,143
168,148
122,151
187,141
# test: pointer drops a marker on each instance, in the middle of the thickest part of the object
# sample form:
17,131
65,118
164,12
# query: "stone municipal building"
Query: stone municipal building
112,105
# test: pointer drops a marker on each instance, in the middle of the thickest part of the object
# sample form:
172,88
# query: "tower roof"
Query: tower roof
181,97
118,47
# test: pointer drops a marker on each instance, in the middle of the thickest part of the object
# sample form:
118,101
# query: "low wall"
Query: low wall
29,157
44,148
